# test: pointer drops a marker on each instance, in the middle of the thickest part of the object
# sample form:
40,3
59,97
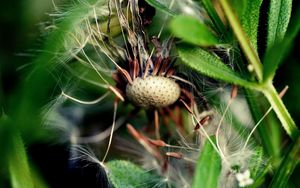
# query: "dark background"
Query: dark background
21,22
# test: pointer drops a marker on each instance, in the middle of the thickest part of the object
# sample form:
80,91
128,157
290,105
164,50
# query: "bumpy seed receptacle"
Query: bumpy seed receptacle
153,91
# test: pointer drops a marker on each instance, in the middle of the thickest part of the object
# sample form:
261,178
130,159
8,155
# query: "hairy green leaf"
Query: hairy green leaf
249,20
278,20
126,174
191,30
156,4
276,53
209,65
208,167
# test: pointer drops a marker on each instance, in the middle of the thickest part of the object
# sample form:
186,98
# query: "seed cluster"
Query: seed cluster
153,91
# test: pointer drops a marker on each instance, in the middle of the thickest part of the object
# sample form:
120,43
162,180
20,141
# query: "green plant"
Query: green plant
100,47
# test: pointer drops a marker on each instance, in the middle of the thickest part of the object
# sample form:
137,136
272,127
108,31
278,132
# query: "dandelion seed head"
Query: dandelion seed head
153,91
123,67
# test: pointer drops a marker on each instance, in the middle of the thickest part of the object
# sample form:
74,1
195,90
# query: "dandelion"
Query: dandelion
147,80
150,81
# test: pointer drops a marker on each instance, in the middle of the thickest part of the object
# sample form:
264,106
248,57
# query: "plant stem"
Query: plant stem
281,111
244,41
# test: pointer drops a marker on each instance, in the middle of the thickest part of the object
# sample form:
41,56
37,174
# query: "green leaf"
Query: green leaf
191,30
217,22
13,155
39,181
208,167
156,4
287,166
278,20
276,53
210,65
20,174
250,18
126,174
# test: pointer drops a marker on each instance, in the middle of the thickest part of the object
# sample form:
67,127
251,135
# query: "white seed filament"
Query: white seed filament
153,91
